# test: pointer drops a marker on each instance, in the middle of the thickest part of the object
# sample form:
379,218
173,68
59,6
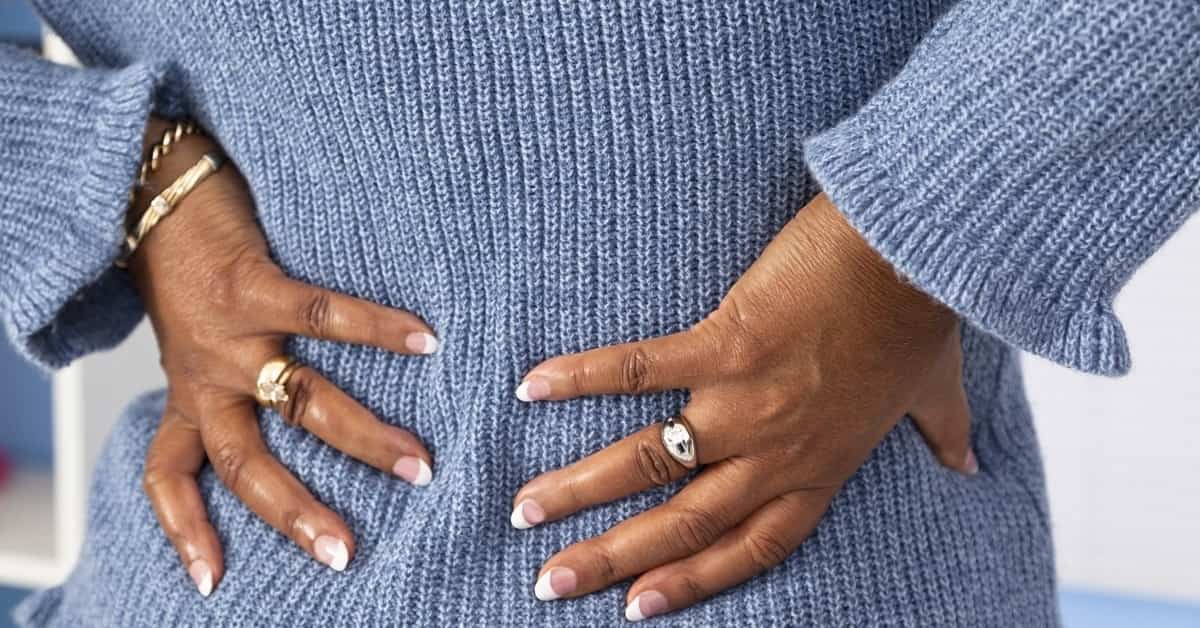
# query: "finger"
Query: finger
169,478
943,415
285,305
633,464
946,429
318,406
759,543
663,363
241,459
716,501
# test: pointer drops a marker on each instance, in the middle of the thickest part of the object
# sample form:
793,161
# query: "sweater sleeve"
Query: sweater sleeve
1027,159
70,143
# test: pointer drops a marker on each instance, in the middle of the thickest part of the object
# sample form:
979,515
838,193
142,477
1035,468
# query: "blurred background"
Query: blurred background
1120,454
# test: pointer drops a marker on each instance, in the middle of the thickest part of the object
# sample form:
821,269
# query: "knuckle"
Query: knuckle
652,463
230,460
695,590
695,529
741,347
635,371
228,283
300,398
180,364
153,477
764,549
605,562
179,538
571,489
290,522
581,378
775,401
188,368
315,313
252,274
741,354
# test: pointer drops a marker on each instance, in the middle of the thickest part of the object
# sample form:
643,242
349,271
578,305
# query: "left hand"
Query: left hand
811,359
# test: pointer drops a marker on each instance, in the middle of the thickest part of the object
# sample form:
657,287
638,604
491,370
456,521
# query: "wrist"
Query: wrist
866,271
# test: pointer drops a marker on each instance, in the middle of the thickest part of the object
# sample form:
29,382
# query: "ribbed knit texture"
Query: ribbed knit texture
69,141
1024,182
535,178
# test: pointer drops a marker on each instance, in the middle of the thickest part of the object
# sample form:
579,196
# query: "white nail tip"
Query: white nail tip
340,558
337,555
633,612
523,392
543,590
424,474
518,518
204,583
431,344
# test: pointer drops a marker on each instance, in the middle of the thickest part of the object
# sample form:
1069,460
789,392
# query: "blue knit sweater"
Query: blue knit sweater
535,178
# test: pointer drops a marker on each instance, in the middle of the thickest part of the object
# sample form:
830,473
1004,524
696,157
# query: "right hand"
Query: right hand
221,308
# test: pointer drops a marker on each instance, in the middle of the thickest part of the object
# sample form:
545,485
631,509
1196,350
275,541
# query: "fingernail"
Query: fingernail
646,604
533,389
971,464
420,342
527,514
201,574
332,552
554,584
414,470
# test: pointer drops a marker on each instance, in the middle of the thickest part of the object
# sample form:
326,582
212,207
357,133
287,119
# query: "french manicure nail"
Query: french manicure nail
332,552
971,464
527,514
202,575
414,470
554,584
646,604
421,342
533,389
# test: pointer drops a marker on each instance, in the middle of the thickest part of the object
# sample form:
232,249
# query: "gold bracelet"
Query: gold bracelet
163,148
165,202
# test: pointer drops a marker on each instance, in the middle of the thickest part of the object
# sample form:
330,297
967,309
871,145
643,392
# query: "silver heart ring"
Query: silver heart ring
677,438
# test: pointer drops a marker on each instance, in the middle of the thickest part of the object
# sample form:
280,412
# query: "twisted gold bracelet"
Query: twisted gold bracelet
165,202
163,148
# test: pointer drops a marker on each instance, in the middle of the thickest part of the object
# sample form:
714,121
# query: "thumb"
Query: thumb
942,414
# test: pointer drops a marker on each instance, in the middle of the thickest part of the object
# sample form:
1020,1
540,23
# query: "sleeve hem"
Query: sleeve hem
61,282
845,164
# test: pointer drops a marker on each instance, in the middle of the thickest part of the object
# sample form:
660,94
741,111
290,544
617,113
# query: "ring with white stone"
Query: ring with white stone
271,388
677,438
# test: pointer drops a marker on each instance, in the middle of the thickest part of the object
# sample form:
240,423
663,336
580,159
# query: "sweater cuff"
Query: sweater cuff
71,300
991,287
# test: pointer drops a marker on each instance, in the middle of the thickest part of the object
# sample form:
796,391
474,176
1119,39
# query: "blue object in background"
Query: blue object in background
18,24
25,431
8,601
25,426
1087,609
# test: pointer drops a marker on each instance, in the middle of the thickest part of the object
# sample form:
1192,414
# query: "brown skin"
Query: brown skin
813,356
810,360
221,308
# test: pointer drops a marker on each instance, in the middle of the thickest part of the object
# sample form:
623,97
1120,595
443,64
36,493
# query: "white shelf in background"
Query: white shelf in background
43,514
28,555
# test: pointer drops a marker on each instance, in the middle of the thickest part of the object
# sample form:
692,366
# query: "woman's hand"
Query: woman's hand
813,356
221,308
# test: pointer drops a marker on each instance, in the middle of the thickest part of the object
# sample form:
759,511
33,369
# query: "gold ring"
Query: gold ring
271,391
